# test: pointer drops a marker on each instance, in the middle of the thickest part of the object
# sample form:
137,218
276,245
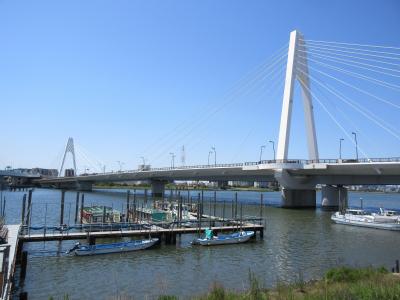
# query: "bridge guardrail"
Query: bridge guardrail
232,165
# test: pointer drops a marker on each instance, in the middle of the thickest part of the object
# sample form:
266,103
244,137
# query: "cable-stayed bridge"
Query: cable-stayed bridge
316,66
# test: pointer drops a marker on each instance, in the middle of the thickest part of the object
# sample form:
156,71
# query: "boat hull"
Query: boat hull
235,238
115,247
368,224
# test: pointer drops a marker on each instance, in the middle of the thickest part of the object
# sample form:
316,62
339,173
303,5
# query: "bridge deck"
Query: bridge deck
130,233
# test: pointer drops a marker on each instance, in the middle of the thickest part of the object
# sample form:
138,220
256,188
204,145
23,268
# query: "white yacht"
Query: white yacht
358,217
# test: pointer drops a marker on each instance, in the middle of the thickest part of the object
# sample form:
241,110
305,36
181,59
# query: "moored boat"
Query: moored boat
358,217
234,238
82,250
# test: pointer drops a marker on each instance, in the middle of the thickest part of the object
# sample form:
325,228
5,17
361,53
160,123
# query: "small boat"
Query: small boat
82,250
234,238
358,217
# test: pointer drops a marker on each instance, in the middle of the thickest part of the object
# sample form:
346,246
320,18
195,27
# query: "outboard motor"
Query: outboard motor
76,246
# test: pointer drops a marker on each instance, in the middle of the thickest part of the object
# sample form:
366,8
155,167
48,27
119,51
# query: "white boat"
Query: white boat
82,250
234,238
358,217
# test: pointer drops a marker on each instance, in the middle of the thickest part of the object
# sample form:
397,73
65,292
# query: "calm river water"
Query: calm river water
296,243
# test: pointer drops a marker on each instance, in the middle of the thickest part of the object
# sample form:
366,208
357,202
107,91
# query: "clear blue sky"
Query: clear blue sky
119,76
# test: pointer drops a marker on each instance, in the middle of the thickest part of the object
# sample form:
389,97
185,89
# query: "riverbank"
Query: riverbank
338,283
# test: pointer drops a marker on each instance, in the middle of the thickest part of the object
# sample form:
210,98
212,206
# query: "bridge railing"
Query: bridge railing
254,163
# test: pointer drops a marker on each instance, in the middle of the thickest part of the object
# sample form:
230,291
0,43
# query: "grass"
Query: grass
339,283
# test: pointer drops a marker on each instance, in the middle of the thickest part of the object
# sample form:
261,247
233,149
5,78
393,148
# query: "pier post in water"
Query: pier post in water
215,203
62,207
82,206
28,217
76,207
236,205
24,262
23,209
127,206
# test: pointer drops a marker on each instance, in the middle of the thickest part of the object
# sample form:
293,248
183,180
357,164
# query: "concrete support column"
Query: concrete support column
158,188
222,184
298,198
334,197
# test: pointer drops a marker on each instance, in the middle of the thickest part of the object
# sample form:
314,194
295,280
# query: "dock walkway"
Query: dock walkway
59,236
8,255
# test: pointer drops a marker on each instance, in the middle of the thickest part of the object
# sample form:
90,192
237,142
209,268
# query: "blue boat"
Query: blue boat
82,250
234,238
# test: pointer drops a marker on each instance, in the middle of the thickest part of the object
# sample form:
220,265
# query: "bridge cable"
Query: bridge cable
351,48
358,75
332,117
356,88
354,63
368,114
244,80
351,52
351,44
223,106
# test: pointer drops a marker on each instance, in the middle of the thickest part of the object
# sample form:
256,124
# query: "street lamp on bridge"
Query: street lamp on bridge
208,160
261,151
273,148
215,155
355,140
172,159
340,148
120,163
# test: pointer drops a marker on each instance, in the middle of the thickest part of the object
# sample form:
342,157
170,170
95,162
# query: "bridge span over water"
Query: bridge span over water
298,178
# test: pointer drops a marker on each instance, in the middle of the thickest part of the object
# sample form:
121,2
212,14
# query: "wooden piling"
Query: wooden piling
397,266
82,206
24,262
23,296
23,220
76,207
28,217
127,206
223,211
62,207
236,204
215,203
261,206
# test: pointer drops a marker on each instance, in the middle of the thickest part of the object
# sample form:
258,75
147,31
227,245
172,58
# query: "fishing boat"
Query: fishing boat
358,217
234,238
82,250
100,215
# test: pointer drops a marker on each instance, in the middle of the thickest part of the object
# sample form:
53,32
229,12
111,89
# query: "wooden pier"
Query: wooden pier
156,231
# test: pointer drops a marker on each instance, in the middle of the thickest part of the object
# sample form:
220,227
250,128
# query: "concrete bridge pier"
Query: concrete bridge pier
296,198
297,191
158,188
334,197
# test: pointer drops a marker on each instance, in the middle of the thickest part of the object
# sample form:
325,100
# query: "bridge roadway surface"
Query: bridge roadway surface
328,171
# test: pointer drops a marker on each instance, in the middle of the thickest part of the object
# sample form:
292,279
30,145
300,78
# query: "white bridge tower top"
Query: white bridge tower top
295,62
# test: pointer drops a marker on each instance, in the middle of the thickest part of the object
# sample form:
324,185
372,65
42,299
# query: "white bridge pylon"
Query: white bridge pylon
295,62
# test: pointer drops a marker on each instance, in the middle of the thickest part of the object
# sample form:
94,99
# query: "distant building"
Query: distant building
69,173
45,172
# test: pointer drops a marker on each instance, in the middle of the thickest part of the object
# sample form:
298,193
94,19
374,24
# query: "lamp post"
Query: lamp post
208,160
172,159
340,148
120,163
261,151
273,148
355,140
215,155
